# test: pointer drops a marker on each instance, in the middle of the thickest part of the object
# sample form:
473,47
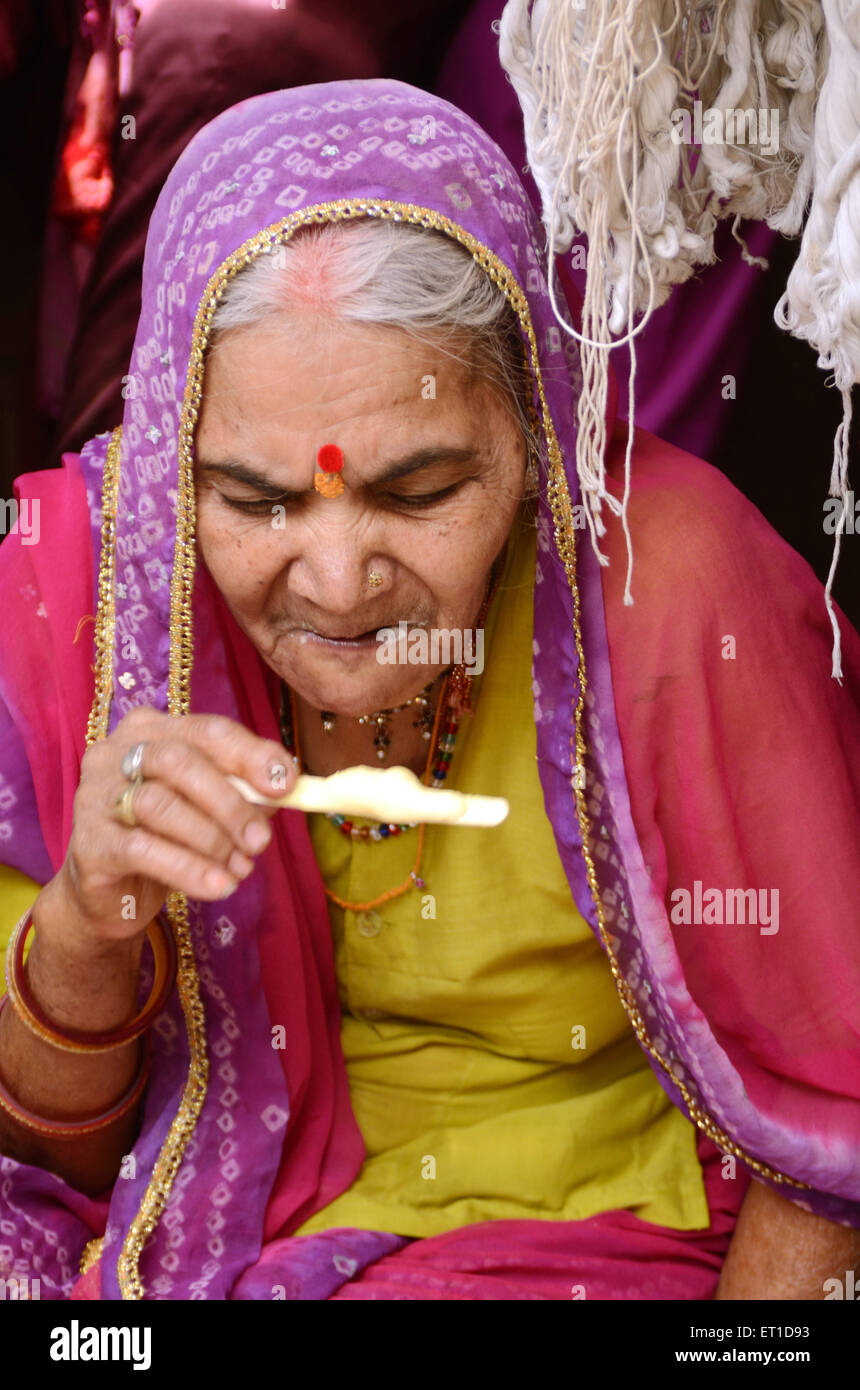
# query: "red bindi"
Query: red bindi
330,458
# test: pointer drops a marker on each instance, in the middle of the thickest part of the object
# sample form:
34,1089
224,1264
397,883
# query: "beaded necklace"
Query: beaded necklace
440,753
454,702
434,770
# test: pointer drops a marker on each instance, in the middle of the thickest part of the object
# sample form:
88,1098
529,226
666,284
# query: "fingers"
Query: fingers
194,754
185,796
230,746
163,810
195,832
138,850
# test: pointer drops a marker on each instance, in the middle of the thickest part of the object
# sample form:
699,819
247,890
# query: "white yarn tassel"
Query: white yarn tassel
602,84
579,73
839,488
822,300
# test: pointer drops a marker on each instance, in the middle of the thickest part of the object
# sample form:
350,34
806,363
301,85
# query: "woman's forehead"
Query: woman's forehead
363,387
292,362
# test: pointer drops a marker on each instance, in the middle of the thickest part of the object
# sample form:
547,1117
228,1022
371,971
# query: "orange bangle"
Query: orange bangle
87,1124
76,1040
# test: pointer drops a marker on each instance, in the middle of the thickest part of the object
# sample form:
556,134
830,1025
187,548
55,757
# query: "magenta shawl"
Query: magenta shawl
734,772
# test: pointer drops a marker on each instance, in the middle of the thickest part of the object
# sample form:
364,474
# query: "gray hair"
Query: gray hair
398,275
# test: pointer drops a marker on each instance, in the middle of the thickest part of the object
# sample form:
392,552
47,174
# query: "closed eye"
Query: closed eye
259,507
426,499
262,506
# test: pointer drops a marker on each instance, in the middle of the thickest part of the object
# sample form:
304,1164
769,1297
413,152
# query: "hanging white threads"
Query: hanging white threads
596,93
600,88
822,300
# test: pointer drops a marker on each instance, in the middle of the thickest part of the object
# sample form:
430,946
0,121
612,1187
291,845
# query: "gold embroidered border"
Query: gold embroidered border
179,678
92,1253
194,1092
103,634
103,638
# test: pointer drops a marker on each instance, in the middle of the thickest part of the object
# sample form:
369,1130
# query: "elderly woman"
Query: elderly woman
540,1059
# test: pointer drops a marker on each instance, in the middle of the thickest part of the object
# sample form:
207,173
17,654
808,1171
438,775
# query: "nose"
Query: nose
341,570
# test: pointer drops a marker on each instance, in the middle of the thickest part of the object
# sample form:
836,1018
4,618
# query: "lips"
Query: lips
344,636
341,641
340,637
353,635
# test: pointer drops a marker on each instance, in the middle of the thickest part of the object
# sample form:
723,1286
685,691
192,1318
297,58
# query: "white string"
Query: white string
839,488
589,78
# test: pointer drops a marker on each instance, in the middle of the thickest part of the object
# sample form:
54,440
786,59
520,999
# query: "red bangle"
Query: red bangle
87,1124
77,1040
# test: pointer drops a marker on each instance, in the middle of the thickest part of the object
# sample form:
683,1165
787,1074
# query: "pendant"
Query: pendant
382,737
369,923
424,722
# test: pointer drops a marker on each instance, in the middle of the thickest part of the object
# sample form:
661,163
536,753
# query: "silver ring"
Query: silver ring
131,762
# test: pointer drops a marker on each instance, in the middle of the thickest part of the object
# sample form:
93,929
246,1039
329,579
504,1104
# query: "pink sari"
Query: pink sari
611,1256
614,1255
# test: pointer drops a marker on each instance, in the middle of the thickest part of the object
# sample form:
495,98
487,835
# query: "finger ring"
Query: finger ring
132,761
124,807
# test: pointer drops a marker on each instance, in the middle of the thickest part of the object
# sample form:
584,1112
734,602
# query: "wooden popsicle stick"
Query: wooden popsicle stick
385,794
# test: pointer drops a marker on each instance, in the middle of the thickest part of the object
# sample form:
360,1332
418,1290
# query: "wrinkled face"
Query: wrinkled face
433,471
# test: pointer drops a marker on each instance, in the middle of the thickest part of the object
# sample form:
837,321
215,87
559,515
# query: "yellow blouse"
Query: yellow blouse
17,893
492,1070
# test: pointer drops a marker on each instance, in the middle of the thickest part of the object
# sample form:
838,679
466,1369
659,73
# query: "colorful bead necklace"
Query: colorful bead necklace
450,700
454,702
441,751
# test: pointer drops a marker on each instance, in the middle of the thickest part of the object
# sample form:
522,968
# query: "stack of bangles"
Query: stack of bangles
28,1010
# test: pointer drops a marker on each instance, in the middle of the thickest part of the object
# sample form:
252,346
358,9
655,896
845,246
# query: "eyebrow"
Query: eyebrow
396,468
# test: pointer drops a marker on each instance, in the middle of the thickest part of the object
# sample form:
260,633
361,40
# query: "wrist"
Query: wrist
52,990
79,982
61,928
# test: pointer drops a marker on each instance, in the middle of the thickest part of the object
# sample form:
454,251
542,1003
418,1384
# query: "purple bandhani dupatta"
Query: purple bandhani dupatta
232,1128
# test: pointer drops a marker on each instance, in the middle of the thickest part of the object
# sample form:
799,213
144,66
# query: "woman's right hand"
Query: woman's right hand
195,833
